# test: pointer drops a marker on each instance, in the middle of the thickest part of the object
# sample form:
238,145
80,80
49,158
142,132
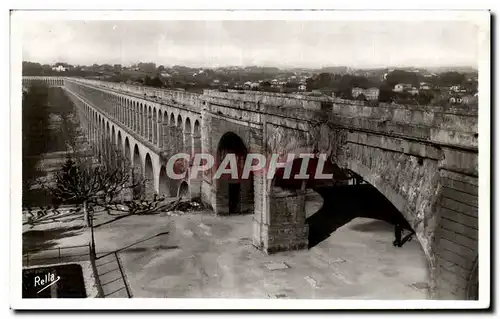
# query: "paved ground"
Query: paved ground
208,256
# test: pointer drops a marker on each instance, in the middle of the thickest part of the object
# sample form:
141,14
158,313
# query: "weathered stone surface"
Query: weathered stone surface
423,159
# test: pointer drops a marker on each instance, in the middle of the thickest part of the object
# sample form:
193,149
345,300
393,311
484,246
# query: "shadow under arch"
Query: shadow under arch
149,175
138,175
183,191
233,195
163,182
346,196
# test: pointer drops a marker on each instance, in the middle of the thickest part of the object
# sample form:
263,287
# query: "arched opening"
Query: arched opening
357,220
158,128
196,137
137,174
179,121
150,124
188,137
183,190
134,117
149,175
113,136
163,182
102,137
113,150
127,149
107,139
234,195
172,119
142,110
120,145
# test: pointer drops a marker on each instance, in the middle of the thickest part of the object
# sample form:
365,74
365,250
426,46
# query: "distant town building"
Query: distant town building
401,87
302,87
424,86
59,68
457,88
413,91
463,99
456,100
369,94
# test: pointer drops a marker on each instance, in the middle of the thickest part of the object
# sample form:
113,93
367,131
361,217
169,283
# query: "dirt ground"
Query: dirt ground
203,255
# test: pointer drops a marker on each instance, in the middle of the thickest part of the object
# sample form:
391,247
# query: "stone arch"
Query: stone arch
179,121
183,191
125,111
172,119
149,123
108,131
188,138
120,142
138,176
397,202
164,183
358,194
187,126
154,124
113,135
136,115
233,195
102,132
141,119
133,117
128,154
196,137
149,175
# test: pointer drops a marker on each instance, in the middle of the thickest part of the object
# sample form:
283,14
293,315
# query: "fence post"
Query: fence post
59,248
100,292
123,275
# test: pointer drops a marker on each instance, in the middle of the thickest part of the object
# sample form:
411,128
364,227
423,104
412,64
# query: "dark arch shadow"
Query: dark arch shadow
343,203
183,191
233,195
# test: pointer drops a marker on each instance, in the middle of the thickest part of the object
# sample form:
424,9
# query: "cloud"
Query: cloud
272,43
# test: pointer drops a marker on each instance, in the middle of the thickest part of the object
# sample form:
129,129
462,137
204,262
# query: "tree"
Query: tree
35,137
89,183
401,76
31,68
149,67
90,180
154,82
451,78
361,97
386,94
265,85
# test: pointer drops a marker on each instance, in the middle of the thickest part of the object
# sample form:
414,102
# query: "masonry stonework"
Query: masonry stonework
423,159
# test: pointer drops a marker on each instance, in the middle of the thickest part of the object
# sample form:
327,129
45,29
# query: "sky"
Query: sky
264,43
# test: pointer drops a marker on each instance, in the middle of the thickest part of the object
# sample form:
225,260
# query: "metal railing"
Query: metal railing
122,275
34,257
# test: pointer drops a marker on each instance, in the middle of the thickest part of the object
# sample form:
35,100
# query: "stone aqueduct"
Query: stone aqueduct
423,159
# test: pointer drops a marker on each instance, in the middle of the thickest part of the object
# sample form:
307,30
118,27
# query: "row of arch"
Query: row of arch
157,125
146,164
51,81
